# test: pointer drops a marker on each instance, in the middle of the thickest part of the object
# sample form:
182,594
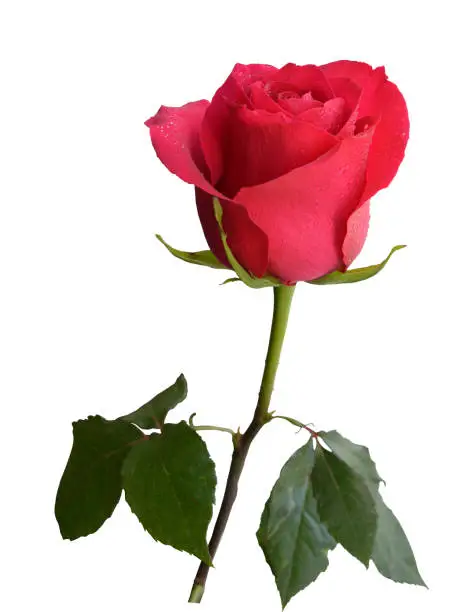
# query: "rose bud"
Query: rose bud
293,156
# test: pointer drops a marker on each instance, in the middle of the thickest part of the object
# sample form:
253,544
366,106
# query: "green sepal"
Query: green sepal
294,540
233,279
152,415
392,554
169,482
91,485
357,274
243,275
201,258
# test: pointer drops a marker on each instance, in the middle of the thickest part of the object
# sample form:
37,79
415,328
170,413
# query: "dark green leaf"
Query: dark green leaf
355,456
392,553
345,504
152,415
201,258
294,541
91,484
243,275
355,275
169,481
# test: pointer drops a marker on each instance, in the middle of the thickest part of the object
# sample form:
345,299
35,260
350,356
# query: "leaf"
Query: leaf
355,275
169,481
392,553
91,484
293,539
345,504
201,258
357,457
244,276
152,415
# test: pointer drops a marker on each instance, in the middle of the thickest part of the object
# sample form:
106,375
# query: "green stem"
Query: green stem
196,593
282,304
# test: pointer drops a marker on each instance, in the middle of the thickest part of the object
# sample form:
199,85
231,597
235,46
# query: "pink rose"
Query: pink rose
294,155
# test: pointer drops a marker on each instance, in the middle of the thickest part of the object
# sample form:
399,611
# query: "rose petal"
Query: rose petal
214,127
175,137
245,74
248,242
381,101
357,229
359,72
304,213
261,100
298,105
329,117
348,90
262,146
367,103
370,101
389,141
306,78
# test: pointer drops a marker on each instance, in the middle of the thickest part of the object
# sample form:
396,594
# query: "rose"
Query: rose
294,155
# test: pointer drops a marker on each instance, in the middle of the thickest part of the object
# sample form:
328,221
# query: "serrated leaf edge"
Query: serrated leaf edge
207,560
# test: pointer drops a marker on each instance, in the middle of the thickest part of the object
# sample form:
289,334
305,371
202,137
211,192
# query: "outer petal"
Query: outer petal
304,213
247,241
175,138
368,104
215,125
382,100
357,229
359,72
389,141
349,79
262,146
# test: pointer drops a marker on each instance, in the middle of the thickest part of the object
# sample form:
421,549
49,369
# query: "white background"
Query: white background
96,316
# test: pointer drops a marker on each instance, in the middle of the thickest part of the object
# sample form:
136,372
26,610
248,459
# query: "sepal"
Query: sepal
201,258
243,275
357,274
